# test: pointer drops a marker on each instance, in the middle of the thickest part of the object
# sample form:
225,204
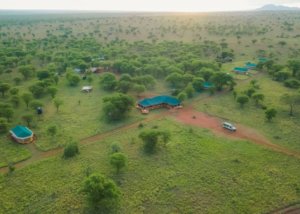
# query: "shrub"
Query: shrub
292,83
71,150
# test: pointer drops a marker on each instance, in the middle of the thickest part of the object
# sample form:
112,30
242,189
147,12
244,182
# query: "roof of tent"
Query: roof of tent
240,69
208,84
159,100
21,132
250,64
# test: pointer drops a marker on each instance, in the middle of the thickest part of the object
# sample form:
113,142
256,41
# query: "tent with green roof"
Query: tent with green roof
158,101
240,70
22,134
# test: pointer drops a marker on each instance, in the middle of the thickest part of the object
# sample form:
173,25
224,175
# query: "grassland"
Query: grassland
195,172
281,131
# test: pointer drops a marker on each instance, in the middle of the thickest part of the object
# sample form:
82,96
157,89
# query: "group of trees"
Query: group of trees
289,74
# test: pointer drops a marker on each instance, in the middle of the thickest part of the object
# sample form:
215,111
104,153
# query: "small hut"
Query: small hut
240,70
22,134
250,65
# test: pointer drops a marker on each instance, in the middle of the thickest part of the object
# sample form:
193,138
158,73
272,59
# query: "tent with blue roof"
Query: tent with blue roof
250,65
22,134
158,102
240,70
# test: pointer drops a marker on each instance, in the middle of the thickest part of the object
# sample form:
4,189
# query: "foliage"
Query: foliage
270,113
3,125
108,81
242,100
71,150
27,97
57,103
117,106
28,118
151,138
100,190
52,130
4,87
118,160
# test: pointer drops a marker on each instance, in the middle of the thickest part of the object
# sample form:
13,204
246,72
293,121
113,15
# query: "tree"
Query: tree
118,160
189,90
26,71
34,104
52,91
258,97
15,99
270,114
182,96
14,91
294,65
124,86
73,79
4,87
220,79
57,103
242,100
71,149
3,125
138,88
52,130
117,106
28,118
198,83
6,111
27,97
151,138
108,81
291,100
101,191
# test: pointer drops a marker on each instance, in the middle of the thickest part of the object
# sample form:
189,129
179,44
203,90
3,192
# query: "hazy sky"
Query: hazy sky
143,5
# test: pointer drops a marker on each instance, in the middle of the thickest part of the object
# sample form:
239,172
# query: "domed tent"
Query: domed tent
22,134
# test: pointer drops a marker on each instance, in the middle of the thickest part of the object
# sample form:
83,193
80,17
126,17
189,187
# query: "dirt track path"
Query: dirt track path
190,116
40,155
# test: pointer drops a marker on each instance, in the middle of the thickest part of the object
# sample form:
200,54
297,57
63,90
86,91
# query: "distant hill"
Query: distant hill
273,7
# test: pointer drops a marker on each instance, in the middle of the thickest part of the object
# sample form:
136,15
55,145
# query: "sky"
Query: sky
144,5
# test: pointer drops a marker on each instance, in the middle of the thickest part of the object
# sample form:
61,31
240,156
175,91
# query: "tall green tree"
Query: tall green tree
118,160
4,87
292,100
270,113
27,97
242,100
57,103
101,191
117,106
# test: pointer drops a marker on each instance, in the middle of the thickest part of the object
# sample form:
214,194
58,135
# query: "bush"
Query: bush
71,150
292,83
115,147
118,160
3,125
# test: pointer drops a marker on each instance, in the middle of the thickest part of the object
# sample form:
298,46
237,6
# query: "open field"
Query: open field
195,171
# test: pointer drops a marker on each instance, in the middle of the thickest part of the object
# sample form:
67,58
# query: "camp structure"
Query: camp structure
22,134
240,70
250,65
158,102
87,89
208,85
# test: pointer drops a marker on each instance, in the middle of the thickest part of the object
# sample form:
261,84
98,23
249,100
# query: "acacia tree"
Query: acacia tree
242,100
270,113
151,138
294,65
258,97
4,87
28,118
27,97
57,103
291,100
117,106
101,191
118,160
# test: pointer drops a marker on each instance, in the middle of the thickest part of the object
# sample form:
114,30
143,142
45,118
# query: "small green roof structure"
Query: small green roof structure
22,134
250,65
207,85
240,69
263,59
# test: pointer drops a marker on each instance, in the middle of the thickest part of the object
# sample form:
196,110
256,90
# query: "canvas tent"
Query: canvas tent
22,134
158,102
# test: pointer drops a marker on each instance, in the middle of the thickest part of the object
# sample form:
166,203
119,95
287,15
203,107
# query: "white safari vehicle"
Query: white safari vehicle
229,126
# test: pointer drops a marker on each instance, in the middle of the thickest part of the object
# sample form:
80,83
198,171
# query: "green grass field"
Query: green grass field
195,172
282,130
